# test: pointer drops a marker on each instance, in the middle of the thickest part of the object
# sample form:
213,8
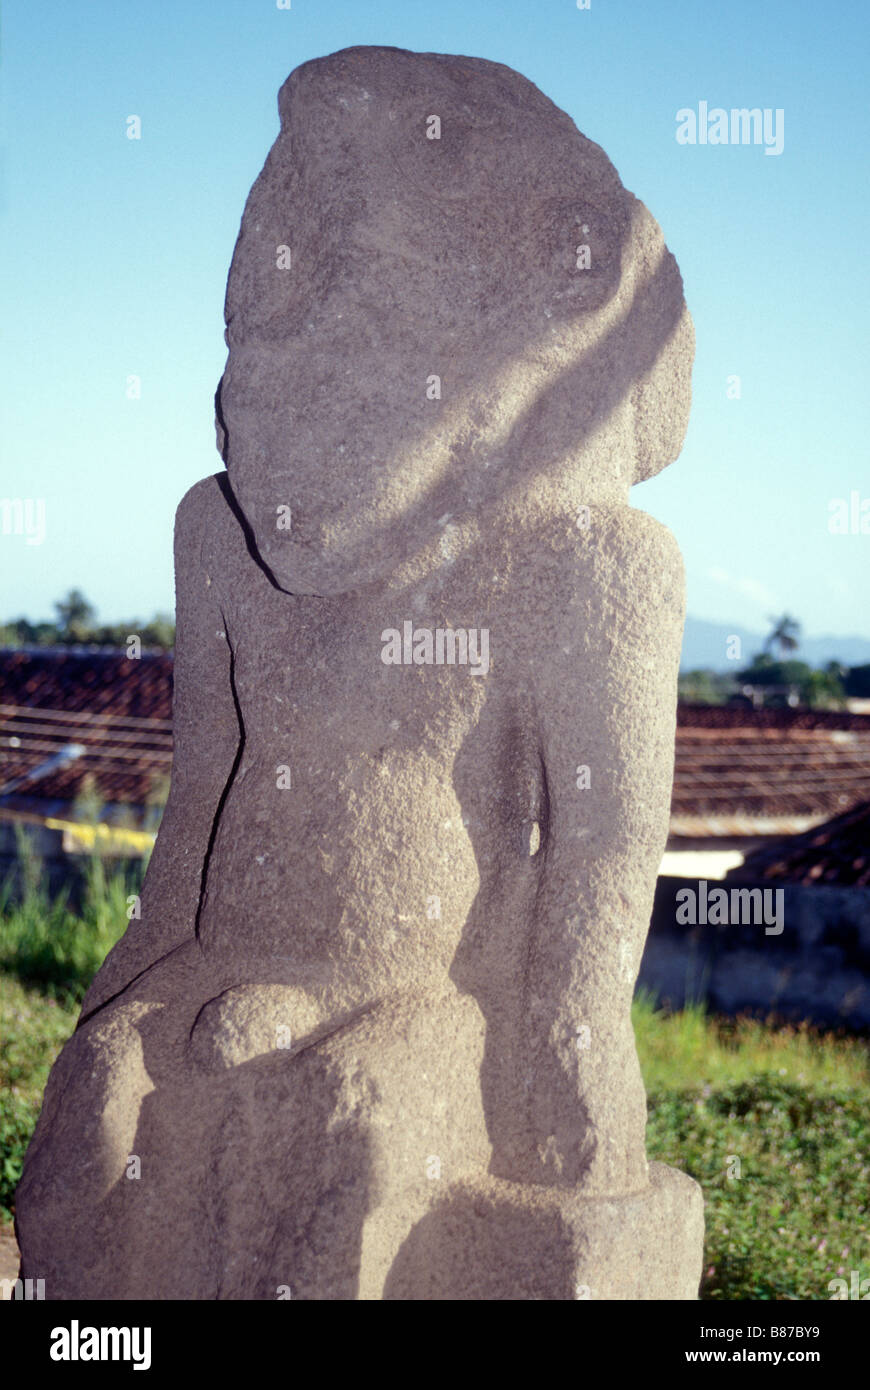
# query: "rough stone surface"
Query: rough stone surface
371,1036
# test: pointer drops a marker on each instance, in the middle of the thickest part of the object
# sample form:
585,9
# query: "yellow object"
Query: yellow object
79,838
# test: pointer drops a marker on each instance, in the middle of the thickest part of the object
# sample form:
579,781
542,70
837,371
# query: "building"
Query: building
746,778
79,718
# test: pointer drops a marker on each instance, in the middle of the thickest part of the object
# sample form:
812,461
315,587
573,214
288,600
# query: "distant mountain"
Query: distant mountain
705,645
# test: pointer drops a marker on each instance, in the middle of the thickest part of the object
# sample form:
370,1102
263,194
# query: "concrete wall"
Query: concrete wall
817,968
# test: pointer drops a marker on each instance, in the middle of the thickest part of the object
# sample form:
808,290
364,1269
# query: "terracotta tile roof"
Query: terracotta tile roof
87,679
767,773
116,710
738,771
788,720
836,852
742,771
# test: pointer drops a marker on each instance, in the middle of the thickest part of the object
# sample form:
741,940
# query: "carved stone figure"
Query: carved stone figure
371,1036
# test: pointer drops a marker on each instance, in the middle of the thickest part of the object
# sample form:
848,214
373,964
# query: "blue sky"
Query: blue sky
115,256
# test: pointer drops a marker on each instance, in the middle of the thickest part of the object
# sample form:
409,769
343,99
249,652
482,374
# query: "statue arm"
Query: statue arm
207,737
606,698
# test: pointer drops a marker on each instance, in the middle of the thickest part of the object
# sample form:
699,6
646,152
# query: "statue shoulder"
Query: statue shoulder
208,526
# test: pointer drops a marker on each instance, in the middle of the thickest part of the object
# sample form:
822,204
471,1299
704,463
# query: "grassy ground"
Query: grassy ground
44,943
48,956
774,1123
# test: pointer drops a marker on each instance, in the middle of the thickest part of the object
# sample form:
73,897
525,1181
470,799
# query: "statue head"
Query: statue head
442,301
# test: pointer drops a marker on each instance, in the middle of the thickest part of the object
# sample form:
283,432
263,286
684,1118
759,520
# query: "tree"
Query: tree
159,631
704,687
857,682
816,689
19,632
785,634
75,617
75,626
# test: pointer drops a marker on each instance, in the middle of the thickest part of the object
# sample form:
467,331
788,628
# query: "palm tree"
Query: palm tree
784,634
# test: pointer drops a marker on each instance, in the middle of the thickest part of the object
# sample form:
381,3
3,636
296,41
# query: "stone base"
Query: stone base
496,1240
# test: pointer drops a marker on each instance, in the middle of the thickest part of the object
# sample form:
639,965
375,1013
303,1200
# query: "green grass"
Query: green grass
33,1028
689,1050
45,943
48,957
773,1122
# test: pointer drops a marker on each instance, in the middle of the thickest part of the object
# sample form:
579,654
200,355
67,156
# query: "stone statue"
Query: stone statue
371,1036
